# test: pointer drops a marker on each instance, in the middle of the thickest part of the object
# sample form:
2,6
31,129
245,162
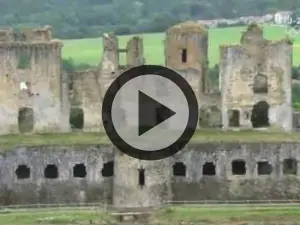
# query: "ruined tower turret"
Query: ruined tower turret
110,58
32,88
135,52
186,47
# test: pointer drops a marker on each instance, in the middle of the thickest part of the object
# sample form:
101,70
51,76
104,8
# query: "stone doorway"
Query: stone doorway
26,120
260,115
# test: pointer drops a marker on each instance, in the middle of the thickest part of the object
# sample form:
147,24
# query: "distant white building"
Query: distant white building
283,17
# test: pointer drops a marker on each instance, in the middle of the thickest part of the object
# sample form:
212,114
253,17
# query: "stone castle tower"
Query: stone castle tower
186,47
186,51
31,82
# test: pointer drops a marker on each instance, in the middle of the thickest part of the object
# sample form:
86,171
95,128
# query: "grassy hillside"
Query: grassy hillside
89,50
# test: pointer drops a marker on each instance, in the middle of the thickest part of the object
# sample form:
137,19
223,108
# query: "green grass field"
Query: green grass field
90,50
169,216
52,217
228,215
9,141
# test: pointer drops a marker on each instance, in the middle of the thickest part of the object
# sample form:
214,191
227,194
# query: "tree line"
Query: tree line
90,18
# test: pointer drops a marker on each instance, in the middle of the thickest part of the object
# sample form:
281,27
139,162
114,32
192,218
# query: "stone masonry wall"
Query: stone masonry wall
257,63
94,187
135,52
225,185
130,191
186,52
224,171
38,87
89,87
86,94
186,47
110,59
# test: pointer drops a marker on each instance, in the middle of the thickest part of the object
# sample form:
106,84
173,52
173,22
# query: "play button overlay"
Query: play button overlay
150,112
162,112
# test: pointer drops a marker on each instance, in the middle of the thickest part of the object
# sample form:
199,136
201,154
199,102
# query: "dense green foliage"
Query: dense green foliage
83,18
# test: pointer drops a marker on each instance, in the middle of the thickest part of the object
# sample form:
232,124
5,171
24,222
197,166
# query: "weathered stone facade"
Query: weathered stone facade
186,52
256,81
89,87
207,171
140,183
32,86
254,77
255,71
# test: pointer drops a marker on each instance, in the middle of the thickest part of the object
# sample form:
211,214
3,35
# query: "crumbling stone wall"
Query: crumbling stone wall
135,52
256,74
238,171
203,171
186,48
43,34
38,34
139,183
86,96
209,103
32,86
110,62
35,90
110,57
7,35
91,183
89,87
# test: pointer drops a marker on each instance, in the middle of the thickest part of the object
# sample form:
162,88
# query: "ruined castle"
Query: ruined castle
37,97
255,91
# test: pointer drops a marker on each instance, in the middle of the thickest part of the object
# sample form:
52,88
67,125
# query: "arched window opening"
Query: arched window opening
260,115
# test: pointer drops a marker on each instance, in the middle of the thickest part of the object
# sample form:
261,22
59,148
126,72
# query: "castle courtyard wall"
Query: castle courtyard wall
120,185
94,187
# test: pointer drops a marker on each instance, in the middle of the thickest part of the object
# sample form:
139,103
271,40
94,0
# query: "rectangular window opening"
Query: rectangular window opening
141,178
184,55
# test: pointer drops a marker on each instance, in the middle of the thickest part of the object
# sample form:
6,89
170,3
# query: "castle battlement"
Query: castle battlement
43,34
